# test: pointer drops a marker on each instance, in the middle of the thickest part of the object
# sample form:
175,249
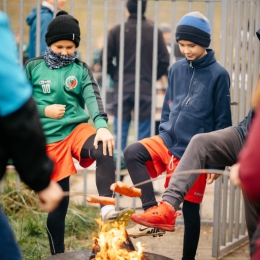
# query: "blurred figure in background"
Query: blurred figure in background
24,47
130,70
47,10
165,28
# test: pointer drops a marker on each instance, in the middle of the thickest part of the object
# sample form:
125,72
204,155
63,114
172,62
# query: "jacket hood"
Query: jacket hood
32,16
204,61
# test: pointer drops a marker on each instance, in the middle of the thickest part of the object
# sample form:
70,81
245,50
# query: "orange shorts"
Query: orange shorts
164,161
63,152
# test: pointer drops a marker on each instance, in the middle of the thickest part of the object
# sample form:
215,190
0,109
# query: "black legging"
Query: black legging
105,176
105,168
135,157
56,221
191,216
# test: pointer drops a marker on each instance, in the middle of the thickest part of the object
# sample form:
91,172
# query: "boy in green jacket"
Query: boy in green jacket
62,85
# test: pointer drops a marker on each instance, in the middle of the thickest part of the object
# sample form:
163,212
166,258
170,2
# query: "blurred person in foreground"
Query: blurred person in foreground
47,11
21,138
246,172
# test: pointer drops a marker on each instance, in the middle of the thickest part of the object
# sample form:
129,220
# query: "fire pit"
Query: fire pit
112,242
85,254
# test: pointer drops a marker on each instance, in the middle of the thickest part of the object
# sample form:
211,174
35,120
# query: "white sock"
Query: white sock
106,209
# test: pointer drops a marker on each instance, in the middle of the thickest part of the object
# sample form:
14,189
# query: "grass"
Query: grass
28,222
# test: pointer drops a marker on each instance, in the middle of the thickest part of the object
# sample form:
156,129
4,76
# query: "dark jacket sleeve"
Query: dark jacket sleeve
111,53
249,159
163,57
22,138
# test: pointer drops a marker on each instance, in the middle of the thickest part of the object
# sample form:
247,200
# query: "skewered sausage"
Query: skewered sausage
124,189
101,200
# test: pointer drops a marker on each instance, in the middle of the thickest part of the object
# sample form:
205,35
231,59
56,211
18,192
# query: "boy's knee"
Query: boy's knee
131,151
199,140
98,153
128,153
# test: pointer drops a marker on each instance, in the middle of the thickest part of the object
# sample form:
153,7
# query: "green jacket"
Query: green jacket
73,86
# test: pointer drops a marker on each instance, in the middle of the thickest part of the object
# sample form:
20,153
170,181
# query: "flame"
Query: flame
112,241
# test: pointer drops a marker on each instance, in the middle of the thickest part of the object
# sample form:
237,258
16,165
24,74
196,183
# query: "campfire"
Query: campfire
113,243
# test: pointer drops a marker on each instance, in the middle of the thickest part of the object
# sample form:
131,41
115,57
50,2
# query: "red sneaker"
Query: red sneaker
162,216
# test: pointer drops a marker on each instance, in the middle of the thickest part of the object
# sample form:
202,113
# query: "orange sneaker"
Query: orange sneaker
162,216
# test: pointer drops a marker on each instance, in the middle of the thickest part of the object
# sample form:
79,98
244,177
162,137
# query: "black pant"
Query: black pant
105,176
56,221
135,157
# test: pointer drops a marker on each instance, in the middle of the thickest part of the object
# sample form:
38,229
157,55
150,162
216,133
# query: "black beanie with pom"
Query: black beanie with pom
63,27
132,6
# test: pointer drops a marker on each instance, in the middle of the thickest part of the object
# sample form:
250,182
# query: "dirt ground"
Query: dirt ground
170,244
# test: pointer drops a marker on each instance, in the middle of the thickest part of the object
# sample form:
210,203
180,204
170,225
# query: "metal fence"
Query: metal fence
233,23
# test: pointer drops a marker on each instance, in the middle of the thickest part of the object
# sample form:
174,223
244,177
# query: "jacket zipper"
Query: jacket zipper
188,101
59,88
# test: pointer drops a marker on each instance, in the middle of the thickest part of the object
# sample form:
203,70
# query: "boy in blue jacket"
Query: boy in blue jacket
197,101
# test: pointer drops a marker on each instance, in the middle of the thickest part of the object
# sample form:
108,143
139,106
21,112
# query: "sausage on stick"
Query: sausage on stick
101,200
126,190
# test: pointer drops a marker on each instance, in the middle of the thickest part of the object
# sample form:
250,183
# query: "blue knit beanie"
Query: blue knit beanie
194,27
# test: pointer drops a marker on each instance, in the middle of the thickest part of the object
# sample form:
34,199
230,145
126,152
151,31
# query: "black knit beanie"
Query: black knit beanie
258,34
63,27
194,27
132,6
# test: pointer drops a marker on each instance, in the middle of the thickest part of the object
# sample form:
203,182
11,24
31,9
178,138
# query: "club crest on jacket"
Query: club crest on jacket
71,82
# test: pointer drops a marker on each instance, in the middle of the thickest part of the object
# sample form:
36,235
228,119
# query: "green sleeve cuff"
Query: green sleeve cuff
41,110
100,123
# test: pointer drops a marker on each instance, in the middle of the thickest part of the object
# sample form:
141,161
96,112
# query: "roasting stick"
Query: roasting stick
132,191
197,171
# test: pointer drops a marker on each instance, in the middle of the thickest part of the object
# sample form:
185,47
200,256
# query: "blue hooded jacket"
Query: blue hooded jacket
197,101
15,88
46,18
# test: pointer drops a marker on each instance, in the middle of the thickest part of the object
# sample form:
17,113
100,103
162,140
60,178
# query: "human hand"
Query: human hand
234,175
50,197
55,111
107,138
212,177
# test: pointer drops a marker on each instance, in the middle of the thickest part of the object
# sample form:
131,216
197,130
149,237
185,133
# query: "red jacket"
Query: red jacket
249,159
